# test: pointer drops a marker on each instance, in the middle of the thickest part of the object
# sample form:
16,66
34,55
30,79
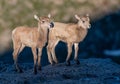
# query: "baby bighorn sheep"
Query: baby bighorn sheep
32,37
71,34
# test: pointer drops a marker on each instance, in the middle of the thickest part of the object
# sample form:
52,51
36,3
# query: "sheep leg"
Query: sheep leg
49,47
69,54
16,52
35,59
53,52
76,47
39,58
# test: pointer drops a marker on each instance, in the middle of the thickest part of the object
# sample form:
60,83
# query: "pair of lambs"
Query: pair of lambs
36,38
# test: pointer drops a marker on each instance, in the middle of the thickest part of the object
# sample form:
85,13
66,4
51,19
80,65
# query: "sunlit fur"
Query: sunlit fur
72,34
34,37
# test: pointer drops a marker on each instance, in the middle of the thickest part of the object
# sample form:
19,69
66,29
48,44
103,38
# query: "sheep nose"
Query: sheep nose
51,25
89,25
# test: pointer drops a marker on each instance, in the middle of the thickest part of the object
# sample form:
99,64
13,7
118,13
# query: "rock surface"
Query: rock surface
90,71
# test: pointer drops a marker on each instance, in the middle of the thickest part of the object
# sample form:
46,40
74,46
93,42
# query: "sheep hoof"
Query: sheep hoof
77,62
67,63
56,62
35,70
19,70
53,63
39,68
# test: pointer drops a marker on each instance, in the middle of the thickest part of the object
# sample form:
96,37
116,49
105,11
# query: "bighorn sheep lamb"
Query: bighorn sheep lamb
71,34
32,37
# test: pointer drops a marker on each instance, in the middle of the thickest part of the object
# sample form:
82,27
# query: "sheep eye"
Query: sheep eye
83,21
43,21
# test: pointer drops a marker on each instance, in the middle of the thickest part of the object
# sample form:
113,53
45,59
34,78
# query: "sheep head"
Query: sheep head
83,22
44,22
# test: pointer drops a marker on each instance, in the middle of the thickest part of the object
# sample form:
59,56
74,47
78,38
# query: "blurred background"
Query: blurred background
102,41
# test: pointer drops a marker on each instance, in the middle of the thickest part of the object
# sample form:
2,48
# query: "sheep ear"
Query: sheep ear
77,17
87,16
49,15
36,17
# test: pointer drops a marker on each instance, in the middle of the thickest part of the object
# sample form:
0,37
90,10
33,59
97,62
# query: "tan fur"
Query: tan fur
32,37
68,33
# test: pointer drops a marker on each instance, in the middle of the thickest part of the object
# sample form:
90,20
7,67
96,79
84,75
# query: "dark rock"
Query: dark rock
90,71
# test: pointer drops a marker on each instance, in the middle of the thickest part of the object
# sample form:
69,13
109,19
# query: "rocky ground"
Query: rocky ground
90,71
